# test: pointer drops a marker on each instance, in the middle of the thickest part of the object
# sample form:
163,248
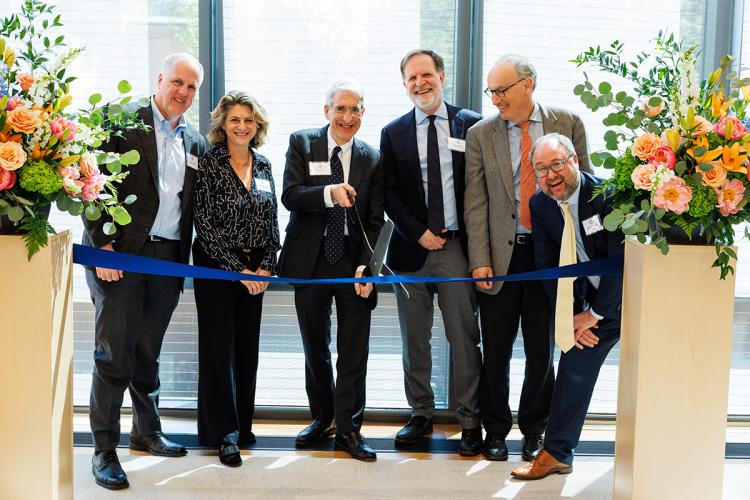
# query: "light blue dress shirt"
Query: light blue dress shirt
580,249
442,125
536,130
170,149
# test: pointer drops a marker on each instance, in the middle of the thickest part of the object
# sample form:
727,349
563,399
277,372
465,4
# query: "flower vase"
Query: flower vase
8,227
676,236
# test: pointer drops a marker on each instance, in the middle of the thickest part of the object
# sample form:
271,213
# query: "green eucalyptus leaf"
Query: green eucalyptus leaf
124,87
93,213
120,215
15,214
706,167
95,98
654,101
130,158
109,228
613,220
605,88
130,199
578,89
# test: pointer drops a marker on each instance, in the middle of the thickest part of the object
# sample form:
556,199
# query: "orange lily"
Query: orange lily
733,158
719,103
709,155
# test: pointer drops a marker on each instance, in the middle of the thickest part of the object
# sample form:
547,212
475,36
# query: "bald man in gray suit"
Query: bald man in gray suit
499,183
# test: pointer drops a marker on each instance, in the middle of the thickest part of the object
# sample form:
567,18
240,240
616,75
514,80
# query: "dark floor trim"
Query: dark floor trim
387,445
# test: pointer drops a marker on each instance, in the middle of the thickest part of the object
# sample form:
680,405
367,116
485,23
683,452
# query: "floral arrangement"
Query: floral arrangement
678,145
48,153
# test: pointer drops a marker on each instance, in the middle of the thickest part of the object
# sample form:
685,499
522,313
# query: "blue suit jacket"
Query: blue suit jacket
547,227
404,194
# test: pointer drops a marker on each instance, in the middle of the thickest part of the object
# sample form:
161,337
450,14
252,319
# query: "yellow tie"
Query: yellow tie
564,337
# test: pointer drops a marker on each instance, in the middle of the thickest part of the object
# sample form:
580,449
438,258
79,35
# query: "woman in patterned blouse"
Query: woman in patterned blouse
237,230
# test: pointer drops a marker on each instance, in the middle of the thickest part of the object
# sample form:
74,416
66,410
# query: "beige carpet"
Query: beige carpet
324,475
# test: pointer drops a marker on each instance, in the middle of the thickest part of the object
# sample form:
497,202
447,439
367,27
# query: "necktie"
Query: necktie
528,179
435,214
564,337
334,245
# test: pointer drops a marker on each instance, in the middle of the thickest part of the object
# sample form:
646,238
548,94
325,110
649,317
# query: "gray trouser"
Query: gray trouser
458,304
132,315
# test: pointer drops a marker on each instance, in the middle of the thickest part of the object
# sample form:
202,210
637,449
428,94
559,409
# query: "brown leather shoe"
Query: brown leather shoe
542,466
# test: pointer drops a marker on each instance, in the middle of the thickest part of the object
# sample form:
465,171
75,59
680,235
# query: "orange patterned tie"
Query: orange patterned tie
528,180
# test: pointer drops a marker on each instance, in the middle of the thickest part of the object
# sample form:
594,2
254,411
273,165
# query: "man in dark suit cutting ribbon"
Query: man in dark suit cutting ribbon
328,170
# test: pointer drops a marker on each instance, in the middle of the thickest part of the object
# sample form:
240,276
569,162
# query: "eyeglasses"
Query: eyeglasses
500,93
341,110
555,167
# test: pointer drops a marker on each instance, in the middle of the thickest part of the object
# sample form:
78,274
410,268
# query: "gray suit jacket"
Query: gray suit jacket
142,182
490,201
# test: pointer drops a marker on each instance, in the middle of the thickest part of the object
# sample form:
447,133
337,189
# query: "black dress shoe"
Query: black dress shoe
107,470
471,442
494,447
531,446
229,455
246,439
157,444
314,432
356,445
417,428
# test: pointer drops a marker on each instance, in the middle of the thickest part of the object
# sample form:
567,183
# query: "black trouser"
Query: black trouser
132,315
344,400
500,314
228,342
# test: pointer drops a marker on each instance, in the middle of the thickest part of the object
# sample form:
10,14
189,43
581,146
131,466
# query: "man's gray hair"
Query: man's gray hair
553,138
171,60
347,85
521,64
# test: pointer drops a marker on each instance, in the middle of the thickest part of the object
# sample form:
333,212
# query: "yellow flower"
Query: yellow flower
745,91
719,103
672,137
733,157
709,155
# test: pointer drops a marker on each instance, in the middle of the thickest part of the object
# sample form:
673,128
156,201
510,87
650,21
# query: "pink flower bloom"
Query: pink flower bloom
729,196
663,157
58,126
88,166
642,176
7,179
92,187
25,80
13,103
673,195
738,129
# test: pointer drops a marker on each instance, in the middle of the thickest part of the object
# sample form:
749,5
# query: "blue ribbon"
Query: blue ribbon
89,256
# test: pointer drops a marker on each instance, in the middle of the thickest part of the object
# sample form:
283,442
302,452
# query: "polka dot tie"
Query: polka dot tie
334,242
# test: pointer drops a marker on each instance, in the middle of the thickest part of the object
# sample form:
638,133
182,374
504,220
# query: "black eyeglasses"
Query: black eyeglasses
555,167
500,93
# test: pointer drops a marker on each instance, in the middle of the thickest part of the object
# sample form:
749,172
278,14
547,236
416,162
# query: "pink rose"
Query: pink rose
13,103
92,187
663,157
59,125
701,126
641,176
673,195
25,80
737,128
729,196
7,179
88,166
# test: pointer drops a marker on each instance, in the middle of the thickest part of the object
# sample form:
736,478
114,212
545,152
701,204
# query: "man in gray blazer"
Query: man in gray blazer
133,310
499,184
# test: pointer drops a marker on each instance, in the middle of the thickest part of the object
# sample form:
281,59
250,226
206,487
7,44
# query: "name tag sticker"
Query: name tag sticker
192,161
592,225
263,185
320,168
456,144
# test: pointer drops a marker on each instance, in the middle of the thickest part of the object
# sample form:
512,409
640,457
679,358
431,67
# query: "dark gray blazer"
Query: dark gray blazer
142,182
490,199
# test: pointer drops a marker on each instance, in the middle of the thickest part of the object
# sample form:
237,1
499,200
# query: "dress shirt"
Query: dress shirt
170,149
536,130
442,125
580,249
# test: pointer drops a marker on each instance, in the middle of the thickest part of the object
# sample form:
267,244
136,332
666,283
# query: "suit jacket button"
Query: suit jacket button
513,216
510,242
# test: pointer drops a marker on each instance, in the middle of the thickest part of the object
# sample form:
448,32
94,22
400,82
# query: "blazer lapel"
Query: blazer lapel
549,120
407,131
585,211
355,168
501,146
457,130
319,146
191,148
148,143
